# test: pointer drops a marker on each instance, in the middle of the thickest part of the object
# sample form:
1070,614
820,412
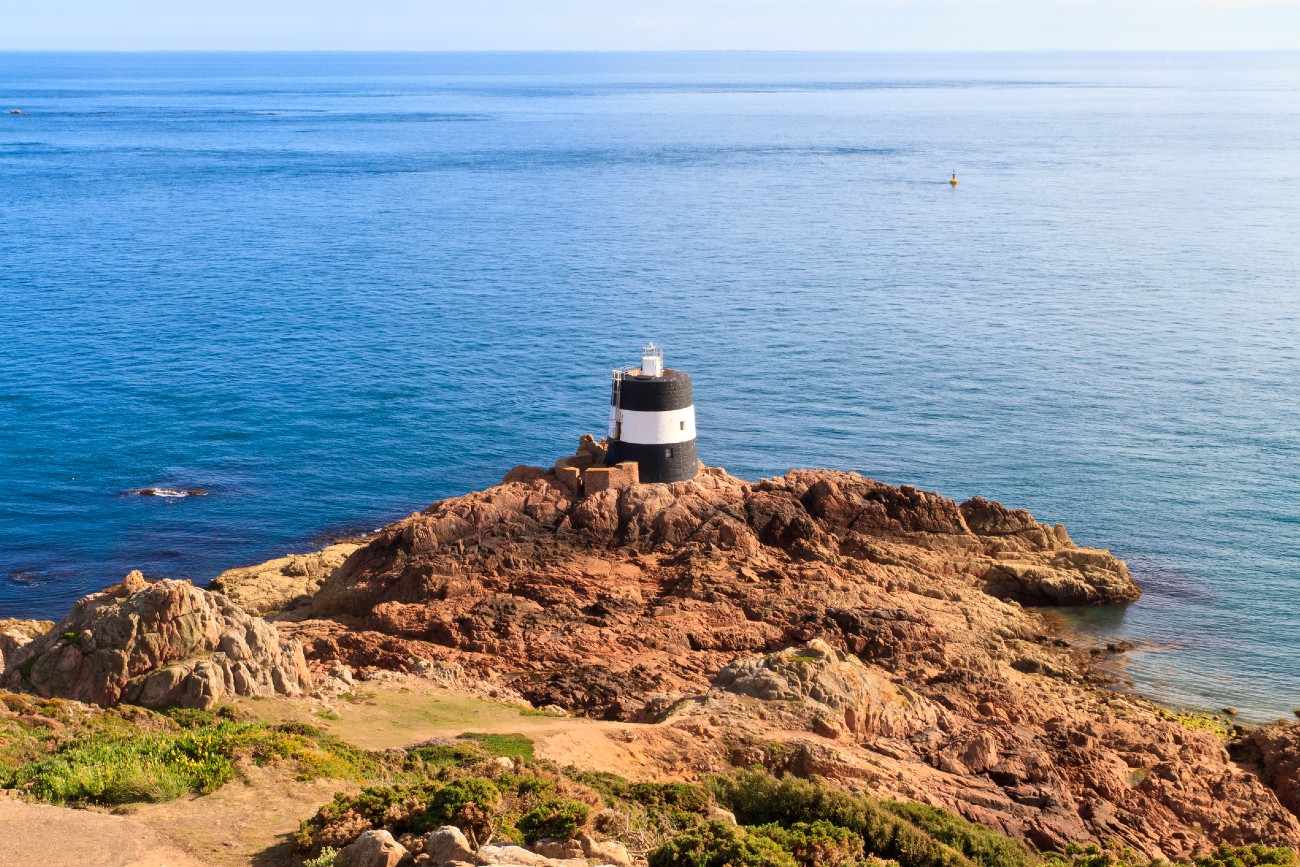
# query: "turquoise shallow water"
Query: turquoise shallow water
333,288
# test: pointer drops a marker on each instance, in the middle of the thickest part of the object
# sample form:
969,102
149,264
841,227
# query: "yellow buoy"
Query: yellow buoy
954,179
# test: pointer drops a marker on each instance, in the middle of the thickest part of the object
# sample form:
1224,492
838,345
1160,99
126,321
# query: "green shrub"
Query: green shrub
1247,856
115,762
816,844
468,803
719,844
324,859
977,842
1093,855
758,798
557,818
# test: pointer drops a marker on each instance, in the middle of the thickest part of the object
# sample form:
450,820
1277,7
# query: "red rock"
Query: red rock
667,602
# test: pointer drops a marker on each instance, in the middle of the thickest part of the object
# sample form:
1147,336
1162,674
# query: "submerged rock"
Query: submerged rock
159,643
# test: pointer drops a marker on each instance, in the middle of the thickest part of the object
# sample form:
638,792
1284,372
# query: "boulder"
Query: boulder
372,849
605,851
558,849
447,844
517,856
159,643
16,634
832,687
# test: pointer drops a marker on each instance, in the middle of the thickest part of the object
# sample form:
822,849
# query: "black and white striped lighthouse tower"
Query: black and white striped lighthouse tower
652,420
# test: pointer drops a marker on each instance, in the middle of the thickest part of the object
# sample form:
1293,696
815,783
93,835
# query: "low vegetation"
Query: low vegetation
1220,725
1224,856
493,788
65,753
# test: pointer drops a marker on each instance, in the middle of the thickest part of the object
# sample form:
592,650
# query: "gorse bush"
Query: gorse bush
815,844
979,843
719,844
1224,856
758,798
557,818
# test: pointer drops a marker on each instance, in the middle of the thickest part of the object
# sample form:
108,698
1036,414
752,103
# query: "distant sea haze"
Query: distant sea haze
331,289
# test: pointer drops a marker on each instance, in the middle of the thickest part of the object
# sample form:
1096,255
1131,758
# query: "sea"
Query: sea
330,289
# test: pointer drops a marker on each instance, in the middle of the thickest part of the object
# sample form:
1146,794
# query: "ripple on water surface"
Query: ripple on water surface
329,289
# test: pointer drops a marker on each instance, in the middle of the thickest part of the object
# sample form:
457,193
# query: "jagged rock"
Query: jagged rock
1276,749
446,844
277,584
159,643
16,634
931,683
830,685
372,849
337,679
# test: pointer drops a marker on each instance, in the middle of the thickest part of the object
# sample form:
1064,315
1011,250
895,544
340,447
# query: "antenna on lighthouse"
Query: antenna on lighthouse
652,361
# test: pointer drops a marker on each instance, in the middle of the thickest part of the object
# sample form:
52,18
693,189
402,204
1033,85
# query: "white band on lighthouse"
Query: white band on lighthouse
652,428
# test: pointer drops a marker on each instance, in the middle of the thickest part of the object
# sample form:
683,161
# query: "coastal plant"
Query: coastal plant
556,818
125,755
469,803
719,844
815,844
326,858
913,838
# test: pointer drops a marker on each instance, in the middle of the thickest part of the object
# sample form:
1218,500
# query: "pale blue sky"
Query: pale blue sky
662,24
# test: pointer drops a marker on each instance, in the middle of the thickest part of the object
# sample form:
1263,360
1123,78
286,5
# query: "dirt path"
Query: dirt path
62,837
250,821
395,714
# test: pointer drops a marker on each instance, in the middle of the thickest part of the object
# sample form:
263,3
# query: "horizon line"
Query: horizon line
649,50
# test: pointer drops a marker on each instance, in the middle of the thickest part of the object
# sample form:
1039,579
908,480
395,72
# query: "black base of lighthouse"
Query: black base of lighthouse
674,462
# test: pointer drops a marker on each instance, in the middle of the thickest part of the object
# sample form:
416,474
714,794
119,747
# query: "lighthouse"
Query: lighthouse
652,420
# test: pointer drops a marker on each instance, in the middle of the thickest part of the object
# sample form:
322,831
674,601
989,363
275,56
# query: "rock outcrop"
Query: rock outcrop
278,584
159,643
882,628
832,692
16,634
1276,749
372,849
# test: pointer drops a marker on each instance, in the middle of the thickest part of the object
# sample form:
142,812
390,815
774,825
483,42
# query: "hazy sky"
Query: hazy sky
662,24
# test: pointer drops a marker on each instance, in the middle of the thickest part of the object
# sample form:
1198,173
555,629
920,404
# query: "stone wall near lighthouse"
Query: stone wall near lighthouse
652,422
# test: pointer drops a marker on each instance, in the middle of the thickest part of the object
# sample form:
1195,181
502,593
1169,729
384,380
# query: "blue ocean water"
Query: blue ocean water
333,288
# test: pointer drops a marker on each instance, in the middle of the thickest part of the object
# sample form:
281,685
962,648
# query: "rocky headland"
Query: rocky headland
818,624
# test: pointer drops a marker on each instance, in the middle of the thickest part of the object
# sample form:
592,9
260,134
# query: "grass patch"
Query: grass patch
63,753
511,746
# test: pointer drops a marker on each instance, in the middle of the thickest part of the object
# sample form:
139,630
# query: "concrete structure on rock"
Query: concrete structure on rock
652,420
